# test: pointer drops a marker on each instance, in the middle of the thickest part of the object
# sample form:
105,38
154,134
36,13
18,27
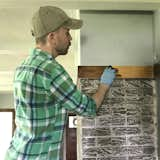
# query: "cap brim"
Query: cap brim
74,23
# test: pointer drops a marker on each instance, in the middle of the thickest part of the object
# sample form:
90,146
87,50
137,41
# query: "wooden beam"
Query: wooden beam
123,71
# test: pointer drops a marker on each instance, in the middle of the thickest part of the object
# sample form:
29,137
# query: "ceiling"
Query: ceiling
85,4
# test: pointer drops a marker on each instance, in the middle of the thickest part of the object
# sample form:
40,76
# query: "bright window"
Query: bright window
6,119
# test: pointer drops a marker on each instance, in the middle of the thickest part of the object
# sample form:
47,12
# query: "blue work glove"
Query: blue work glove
108,76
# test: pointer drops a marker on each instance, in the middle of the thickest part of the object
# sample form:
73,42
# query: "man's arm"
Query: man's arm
100,94
105,82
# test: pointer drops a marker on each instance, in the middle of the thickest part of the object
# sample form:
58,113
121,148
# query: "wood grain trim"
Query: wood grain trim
95,72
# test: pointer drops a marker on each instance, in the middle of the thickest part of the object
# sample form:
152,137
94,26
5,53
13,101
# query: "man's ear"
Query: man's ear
51,36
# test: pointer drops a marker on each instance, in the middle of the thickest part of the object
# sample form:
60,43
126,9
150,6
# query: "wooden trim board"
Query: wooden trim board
123,71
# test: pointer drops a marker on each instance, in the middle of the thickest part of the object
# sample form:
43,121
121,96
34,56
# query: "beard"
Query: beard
62,50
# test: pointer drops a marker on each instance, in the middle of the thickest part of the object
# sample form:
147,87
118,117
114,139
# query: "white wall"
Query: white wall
6,100
117,38
157,36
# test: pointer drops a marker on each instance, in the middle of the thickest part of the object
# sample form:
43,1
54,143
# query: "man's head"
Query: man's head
50,27
49,18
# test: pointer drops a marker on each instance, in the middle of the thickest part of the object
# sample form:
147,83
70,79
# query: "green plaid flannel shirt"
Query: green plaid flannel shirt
43,93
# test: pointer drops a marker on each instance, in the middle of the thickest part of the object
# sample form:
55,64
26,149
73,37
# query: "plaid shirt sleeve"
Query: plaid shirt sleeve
66,93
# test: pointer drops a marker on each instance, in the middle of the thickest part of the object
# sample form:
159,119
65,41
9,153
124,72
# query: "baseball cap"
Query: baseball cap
49,18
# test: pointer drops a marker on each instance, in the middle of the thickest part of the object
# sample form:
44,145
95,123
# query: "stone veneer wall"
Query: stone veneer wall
158,112
126,124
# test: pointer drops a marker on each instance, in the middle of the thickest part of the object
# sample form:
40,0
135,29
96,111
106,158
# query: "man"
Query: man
44,92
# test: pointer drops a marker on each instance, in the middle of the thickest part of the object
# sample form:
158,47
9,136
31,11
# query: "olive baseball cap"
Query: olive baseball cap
49,18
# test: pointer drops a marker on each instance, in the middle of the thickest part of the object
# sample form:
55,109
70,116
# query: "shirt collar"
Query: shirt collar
38,51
